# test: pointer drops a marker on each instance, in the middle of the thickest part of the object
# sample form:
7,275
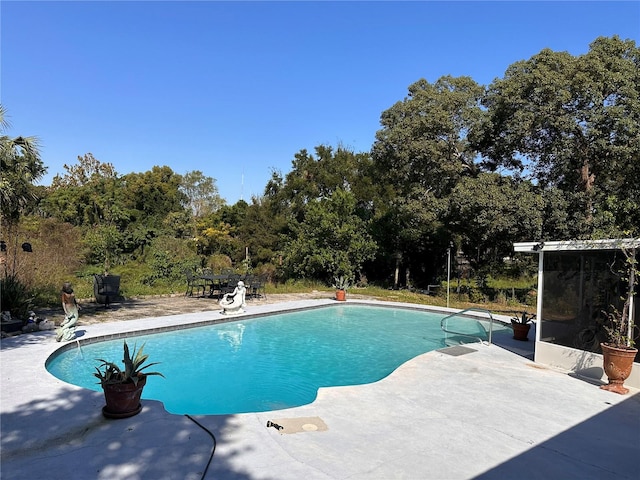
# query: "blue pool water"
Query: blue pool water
270,362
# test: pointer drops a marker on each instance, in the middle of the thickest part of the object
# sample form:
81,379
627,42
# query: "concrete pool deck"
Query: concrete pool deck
489,413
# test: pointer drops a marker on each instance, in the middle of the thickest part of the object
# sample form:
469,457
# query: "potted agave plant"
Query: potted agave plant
619,351
521,325
123,387
341,284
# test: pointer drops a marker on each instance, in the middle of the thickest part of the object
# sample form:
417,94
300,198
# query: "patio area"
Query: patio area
487,413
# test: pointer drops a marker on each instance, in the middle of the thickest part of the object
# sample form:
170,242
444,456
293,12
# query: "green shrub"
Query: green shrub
165,262
531,298
219,262
476,296
266,269
16,297
501,298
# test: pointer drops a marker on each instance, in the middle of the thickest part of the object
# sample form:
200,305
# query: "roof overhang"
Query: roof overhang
564,245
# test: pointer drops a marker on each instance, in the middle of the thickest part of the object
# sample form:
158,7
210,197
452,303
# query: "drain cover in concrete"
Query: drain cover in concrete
457,350
298,425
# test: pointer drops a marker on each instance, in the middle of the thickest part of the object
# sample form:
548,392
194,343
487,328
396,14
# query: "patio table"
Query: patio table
214,283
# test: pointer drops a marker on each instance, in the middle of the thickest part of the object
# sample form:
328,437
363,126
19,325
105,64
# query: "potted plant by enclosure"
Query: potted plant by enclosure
123,387
521,326
618,351
341,285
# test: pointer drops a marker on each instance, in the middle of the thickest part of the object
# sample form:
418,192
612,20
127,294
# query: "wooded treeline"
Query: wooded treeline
550,151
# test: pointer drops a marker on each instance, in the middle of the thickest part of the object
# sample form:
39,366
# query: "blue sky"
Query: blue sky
235,89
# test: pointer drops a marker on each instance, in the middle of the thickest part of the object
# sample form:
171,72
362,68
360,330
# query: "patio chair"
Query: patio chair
207,279
230,284
106,288
193,282
256,285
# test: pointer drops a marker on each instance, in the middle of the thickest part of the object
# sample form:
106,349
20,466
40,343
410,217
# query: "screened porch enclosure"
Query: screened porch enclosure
579,289
579,282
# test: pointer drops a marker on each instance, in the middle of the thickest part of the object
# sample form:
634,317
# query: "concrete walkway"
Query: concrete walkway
487,413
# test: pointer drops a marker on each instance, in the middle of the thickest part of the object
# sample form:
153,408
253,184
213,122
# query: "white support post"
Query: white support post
448,273
540,290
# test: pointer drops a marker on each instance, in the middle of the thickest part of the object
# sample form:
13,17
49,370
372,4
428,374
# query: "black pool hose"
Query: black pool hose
204,474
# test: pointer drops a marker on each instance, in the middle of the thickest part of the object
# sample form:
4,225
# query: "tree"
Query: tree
419,156
423,141
260,230
91,195
332,240
313,183
149,198
88,170
572,123
87,194
409,231
316,177
20,167
201,193
492,212
217,238
153,194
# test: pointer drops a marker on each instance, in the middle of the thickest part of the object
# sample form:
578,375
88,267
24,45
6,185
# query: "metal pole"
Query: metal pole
448,273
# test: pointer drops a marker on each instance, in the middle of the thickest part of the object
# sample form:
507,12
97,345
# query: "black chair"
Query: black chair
255,286
230,285
211,282
106,288
194,282
259,289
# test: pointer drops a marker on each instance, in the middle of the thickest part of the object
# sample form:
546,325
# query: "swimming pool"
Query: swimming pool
270,362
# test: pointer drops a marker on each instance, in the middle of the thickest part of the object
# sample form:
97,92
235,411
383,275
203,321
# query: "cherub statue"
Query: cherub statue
233,303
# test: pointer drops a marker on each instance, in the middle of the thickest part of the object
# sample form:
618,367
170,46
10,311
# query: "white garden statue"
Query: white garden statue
233,303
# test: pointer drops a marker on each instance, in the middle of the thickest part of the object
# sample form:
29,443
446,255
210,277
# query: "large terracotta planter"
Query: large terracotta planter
521,330
618,363
123,399
341,295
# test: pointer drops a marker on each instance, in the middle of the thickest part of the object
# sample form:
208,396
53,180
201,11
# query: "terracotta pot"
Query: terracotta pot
521,330
123,399
617,365
341,295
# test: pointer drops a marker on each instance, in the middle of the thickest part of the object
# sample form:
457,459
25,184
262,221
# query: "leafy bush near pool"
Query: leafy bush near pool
15,297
